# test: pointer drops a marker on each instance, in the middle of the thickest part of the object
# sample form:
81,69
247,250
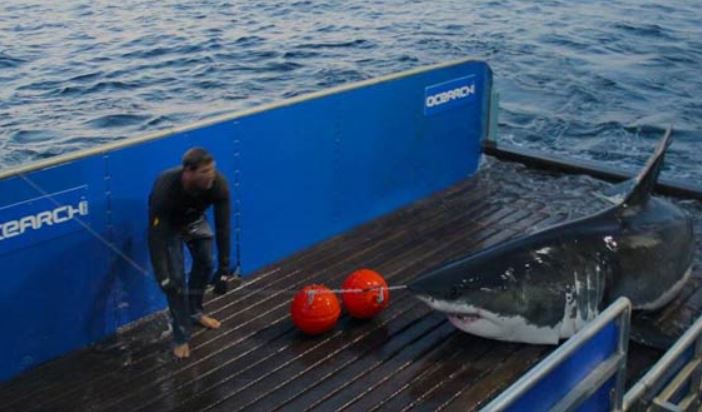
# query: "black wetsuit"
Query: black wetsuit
176,217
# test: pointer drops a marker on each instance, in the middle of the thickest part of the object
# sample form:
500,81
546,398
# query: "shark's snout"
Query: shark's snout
425,287
438,284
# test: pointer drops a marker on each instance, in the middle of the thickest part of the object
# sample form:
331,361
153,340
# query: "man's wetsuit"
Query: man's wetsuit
177,217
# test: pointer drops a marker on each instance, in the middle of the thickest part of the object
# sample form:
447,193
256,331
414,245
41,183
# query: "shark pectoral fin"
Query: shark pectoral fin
645,331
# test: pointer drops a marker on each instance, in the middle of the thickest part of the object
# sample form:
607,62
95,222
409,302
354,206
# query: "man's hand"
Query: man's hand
222,278
168,286
220,281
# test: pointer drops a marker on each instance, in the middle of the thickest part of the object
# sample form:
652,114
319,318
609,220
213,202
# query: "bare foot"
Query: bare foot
182,351
209,322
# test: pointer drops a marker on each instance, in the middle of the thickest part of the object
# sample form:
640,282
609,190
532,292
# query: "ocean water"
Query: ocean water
591,79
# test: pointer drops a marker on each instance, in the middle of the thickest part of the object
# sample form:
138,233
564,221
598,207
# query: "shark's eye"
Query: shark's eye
454,292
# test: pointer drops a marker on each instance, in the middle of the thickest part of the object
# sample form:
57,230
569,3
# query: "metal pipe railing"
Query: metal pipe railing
651,380
620,308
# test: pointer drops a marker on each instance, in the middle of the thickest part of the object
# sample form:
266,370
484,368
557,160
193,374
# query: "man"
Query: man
177,204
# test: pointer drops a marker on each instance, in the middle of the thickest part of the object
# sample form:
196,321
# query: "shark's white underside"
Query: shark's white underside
668,295
483,323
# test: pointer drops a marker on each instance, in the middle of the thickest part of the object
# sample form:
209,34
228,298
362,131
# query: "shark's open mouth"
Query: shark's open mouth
465,317
467,322
462,320
456,316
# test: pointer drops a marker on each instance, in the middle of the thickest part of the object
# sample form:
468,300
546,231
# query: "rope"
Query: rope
89,229
294,291
357,290
145,272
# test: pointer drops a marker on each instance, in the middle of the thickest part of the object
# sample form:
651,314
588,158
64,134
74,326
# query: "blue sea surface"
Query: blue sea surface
590,79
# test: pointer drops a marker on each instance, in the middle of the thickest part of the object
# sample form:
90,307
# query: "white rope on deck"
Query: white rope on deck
145,272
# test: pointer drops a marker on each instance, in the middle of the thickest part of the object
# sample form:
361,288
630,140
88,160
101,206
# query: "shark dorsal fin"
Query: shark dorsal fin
616,193
646,179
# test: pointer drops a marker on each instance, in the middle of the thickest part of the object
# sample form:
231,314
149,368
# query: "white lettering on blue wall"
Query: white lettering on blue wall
445,97
28,222
453,93
37,221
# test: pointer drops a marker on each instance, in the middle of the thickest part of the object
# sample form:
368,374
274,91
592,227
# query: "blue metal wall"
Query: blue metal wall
300,172
310,171
52,277
553,387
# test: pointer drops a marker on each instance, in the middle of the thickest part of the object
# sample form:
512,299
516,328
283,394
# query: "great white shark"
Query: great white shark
546,286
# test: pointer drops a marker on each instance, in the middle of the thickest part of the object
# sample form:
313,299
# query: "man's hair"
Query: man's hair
196,157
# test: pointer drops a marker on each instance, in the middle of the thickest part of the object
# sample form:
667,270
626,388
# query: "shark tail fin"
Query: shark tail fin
646,179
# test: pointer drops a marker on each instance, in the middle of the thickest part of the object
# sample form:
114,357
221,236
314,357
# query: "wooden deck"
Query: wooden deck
409,357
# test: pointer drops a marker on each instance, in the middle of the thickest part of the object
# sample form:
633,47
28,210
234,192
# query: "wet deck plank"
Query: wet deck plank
407,358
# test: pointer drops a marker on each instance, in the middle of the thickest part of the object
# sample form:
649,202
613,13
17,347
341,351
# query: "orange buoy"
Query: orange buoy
365,293
315,309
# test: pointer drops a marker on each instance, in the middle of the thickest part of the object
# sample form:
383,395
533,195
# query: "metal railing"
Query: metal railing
615,364
669,385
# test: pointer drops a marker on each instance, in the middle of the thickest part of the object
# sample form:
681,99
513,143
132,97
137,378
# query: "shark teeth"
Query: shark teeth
462,320
467,317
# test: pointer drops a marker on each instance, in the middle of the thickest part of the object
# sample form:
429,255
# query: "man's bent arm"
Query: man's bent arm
222,214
